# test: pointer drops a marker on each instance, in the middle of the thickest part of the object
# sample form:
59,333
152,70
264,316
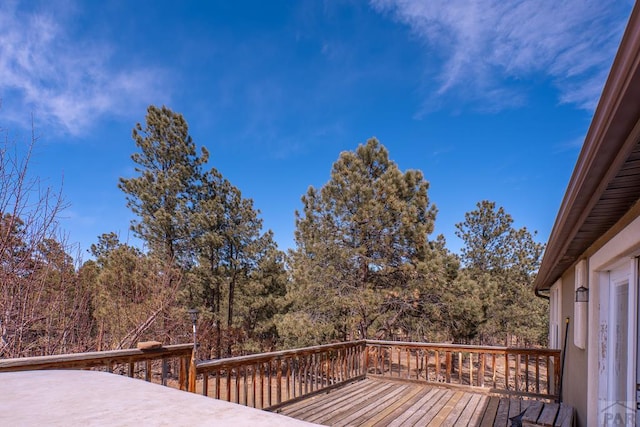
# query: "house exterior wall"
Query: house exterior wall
574,384
581,371
621,248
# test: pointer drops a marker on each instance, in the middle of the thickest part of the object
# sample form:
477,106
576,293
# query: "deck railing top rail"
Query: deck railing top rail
467,347
264,357
95,358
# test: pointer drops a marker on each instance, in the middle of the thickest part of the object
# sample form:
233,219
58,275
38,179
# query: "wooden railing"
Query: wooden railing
519,371
268,380
151,365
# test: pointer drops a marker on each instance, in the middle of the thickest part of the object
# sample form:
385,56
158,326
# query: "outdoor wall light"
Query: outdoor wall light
582,294
580,307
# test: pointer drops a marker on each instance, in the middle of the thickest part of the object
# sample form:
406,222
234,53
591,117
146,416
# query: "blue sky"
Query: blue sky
490,99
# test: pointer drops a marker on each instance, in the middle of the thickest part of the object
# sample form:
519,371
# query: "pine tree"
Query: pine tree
363,264
500,263
169,171
229,246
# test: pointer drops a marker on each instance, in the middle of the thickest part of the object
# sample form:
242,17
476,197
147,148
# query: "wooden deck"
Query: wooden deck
376,402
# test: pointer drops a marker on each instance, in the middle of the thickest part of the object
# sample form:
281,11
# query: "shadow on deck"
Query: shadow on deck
378,402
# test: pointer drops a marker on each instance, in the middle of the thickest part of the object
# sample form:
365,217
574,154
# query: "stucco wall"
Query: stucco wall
574,388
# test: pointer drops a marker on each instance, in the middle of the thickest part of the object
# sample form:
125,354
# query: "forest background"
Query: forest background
364,264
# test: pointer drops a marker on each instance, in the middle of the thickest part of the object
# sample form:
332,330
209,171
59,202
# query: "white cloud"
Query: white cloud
66,81
487,42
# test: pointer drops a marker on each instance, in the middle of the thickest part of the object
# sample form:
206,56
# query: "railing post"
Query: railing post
262,386
182,374
289,378
165,370
192,371
218,393
506,370
245,386
279,381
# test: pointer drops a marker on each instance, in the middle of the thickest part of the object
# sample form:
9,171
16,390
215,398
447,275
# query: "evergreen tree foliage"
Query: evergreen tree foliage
230,247
161,195
363,265
500,263
198,225
129,293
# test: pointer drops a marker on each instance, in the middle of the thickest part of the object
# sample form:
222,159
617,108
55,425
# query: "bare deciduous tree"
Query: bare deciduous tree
37,278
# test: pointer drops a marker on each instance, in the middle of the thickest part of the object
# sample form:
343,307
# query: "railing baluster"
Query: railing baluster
218,384
517,372
526,372
165,370
245,386
376,358
506,371
481,368
299,372
269,400
262,386
253,385
307,378
288,361
426,365
493,365
278,381
408,353
537,374
549,384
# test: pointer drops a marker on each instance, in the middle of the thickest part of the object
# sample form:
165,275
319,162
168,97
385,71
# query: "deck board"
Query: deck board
401,406
369,406
387,413
375,402
458,410
489,415
433,395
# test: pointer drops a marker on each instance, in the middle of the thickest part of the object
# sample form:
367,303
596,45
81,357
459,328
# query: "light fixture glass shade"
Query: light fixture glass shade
582,294
193,313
